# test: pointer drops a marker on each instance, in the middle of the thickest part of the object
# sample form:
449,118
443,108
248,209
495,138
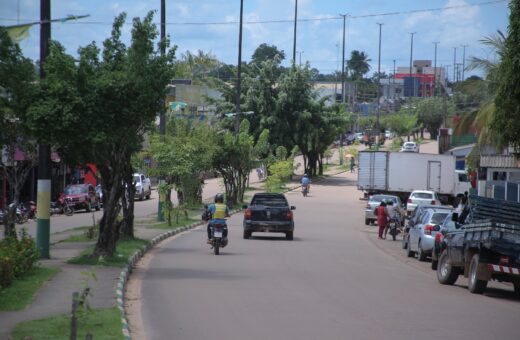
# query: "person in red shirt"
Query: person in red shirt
382,218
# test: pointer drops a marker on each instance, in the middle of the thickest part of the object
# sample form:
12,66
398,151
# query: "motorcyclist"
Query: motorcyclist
306,183
393,214
219,211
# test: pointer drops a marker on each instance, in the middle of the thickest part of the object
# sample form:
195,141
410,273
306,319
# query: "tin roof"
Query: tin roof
499,161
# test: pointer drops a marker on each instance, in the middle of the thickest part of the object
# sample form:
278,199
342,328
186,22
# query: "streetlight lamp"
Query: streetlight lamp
343,61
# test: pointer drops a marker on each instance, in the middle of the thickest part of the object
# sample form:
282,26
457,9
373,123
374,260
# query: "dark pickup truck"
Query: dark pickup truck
269,212
485,247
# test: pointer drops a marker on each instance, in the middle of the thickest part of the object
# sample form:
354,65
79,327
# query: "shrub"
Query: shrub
17,256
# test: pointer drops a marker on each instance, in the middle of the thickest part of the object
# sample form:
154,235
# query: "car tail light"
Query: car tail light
428,229
409,200
438,238
289,215
247,214
433,202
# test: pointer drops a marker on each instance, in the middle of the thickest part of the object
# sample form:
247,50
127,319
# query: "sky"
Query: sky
201,25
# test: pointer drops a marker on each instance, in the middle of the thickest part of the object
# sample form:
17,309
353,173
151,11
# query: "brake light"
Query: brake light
247,214
409,200
428,229
289,215
438,238
433,202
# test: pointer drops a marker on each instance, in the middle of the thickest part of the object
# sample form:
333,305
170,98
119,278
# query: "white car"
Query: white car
143,187
389,134
410,147
421,197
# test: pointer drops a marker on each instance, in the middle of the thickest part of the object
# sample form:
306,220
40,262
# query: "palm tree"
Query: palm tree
480,120
358,64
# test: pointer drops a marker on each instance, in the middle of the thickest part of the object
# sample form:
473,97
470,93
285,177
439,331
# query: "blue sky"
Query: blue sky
317,39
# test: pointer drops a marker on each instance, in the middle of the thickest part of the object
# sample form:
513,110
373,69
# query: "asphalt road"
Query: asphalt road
334,281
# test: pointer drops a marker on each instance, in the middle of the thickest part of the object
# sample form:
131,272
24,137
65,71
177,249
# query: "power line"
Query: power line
332,18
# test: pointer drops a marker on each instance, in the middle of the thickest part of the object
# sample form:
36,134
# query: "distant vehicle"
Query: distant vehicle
419,197
99,192
359,136
81,196
370,137
400,173
143,186
410,147
421,236
389,134
269,212
373,203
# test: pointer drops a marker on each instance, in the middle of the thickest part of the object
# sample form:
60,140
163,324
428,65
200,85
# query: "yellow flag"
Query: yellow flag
18,33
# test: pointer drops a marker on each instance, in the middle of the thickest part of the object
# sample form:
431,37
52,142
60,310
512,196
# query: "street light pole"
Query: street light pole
162,113
378,87
454,64
435,69
343,61
43,224
463,59
411,63
239,68
294,39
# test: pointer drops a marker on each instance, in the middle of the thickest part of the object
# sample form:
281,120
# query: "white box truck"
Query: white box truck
400,173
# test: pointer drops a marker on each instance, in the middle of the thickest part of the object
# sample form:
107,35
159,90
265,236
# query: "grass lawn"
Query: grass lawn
20,293
124,249
182,222
103,323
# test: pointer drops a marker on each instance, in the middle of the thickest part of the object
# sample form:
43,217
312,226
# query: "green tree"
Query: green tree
401,123
506,122
114,99
265,52
358,64
17,90
430,114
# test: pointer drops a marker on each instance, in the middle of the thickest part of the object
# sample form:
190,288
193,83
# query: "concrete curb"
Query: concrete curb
134,259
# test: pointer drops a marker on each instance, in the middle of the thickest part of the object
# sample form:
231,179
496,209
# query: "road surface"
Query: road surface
334,281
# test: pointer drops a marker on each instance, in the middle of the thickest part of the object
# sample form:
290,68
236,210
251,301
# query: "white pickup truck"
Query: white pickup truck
400,173
143,186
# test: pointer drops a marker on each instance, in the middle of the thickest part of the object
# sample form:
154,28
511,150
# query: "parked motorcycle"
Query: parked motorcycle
393,227
305,190
62,206
217,239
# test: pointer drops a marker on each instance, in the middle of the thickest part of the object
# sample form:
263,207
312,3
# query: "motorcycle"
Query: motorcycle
217,239
62,206
393,227
305,190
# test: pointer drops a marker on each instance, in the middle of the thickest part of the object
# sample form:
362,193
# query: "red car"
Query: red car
81,196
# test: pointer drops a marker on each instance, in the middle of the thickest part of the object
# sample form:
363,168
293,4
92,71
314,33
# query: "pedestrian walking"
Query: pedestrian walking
352,163
382,218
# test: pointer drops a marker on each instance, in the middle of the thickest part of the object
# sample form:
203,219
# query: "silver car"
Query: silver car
421,236
421,197
410,147
375,200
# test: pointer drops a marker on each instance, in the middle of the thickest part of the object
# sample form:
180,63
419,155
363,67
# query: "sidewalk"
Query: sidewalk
55,297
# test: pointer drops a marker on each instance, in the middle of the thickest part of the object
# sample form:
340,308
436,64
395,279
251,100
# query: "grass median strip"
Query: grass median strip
124,249
102,323
20,293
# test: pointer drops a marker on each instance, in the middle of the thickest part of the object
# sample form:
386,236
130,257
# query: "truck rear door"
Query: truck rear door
372,172
434,176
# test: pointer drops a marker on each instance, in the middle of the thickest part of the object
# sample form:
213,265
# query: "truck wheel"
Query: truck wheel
421,255
446,274
475,285
409,251
367,221
289,235
247,234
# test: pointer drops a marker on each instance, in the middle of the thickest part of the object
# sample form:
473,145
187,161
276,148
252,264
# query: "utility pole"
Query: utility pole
300,52
454,64
294,40
463,60
378,128
435,69
239,69
162,114
393,78
337,67
411,64
43,224
343,61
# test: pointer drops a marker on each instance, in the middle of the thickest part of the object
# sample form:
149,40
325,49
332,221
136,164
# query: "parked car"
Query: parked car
389,134
414,218
375,200
81,196
143,187
420,197
421,236
410,147
269,212
359,136
447,225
